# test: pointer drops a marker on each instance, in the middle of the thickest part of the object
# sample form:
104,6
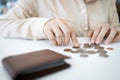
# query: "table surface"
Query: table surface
91,68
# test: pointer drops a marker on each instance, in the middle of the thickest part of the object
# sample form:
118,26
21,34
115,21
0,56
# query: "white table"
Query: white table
91,68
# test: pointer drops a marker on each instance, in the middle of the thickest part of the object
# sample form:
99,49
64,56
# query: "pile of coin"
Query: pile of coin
84,50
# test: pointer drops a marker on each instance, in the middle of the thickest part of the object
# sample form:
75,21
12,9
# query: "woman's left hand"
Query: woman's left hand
104,32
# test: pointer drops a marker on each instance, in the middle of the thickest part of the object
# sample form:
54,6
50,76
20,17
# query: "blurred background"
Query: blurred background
5,5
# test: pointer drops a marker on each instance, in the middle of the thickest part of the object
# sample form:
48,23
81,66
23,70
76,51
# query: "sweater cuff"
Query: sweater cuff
37,28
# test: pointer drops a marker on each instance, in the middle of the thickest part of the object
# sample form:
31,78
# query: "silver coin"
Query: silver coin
87,46
103,55
83,55
80,50
100,47
101,51
90,52
74,51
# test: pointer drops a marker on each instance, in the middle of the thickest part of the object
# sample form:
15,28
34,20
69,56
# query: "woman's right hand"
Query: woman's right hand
59,32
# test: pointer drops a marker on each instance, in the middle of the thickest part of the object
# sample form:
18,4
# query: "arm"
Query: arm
110,31
113,15
22,22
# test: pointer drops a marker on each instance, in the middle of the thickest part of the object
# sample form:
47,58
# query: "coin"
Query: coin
75,51
92,45
76,47
87,45
99,47
103,55
90,52
83,55
96,44
101,51
109,48
80,50
67,50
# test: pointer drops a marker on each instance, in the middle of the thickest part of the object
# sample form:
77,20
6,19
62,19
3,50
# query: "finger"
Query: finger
117,38
74,39
102,34
51,37
90,33
67,38
111,36
66,30
96,33
72,35
58,34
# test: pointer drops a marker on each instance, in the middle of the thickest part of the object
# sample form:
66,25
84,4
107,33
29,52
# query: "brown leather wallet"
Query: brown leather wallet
35,64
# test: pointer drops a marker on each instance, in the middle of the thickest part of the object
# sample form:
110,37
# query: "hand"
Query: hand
59,31
104,32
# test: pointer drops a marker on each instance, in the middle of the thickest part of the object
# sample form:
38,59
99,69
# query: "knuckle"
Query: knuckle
109,40
51,38
63,19
101,36
68,32
113,29
94,36
106,28
100,25
97,28
107,25
112,36
59,36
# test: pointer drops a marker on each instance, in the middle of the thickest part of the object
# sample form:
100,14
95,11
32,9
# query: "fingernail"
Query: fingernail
97,42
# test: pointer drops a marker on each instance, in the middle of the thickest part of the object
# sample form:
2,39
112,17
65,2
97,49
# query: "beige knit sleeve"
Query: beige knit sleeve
22,22
113,15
